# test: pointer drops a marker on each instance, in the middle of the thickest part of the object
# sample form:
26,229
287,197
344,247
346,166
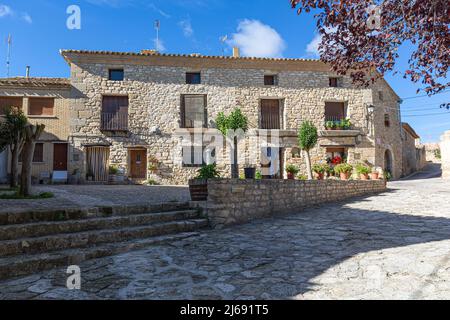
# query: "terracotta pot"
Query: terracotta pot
290,176
344,175
374,176
318,176
364,176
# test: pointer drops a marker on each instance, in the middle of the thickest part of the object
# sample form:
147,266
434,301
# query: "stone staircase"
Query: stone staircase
33,241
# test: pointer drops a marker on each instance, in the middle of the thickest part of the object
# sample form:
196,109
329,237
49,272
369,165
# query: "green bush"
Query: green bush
319,168
329,124
290,168
151,182
343,168
437,154
258,175
302,177
113,169
362,169
208,171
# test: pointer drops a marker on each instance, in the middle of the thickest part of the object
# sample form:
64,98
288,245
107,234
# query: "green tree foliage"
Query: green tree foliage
307,139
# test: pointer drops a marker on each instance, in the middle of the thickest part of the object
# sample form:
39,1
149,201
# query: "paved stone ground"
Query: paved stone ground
98,195
395,245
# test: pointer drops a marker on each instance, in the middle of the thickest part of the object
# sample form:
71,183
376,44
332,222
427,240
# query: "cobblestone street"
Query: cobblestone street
395,245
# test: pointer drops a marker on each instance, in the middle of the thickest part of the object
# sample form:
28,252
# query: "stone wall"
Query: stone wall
154,93
233,201
445,154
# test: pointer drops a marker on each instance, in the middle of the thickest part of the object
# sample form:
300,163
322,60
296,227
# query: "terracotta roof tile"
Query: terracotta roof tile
34,82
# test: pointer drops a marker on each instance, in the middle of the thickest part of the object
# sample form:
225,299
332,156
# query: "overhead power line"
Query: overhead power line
424,95
425,115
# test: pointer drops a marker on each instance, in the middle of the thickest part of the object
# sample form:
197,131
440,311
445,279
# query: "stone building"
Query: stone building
44,101
130,109
445,154
414,156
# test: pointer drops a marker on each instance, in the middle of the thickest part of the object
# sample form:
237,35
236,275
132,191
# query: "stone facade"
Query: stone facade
233,201
432,151
56,123
154,84
414,155
445,154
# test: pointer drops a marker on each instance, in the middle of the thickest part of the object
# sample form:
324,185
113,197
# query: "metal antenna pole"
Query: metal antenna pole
8,55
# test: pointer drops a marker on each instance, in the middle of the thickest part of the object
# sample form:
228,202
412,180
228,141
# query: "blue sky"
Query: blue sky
259,27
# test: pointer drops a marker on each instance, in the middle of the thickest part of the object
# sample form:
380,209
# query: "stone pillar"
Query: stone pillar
445,154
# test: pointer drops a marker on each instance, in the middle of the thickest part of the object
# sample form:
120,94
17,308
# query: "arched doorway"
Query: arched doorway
388,161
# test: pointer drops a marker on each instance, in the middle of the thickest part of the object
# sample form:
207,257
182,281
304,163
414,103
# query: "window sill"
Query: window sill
41,117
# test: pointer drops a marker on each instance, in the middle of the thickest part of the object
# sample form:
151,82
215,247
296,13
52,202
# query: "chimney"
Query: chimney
27,74
236,52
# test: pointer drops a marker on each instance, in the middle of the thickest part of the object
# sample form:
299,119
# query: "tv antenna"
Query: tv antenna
8,54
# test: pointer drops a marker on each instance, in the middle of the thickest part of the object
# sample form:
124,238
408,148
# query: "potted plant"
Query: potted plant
363,171
329,125
319,171
344,170
115,174
345,124
198,187
338,125
291,170
375,174
250,172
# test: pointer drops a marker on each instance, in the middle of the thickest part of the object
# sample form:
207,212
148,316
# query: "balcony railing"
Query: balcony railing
114,122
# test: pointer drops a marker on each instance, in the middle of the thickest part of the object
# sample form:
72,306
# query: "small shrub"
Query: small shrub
113,169
318,168
362,169
329,124
258,175
343,168
208,171
387,176
291,168
151,182
437,154
302,177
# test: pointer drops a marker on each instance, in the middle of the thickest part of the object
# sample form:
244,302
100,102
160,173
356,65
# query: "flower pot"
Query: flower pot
344,175
250,173
318,176
374,176
290,176
364,176
198,188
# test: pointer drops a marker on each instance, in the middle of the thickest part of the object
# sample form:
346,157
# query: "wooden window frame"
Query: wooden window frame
190,76
32,99
387,120
107,122
329,116
270,80
334,82
183,110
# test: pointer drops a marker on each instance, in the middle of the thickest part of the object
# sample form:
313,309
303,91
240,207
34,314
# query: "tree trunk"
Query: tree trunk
235,166
308,165
32,133
14,178
27,159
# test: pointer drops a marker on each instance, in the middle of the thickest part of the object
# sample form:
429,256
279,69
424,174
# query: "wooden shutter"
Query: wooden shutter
334,111
8,102
41,106
270,114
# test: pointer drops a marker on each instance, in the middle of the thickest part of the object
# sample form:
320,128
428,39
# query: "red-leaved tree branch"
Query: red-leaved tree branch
360,36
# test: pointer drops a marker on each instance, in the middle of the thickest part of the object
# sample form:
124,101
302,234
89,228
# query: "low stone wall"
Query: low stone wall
233,201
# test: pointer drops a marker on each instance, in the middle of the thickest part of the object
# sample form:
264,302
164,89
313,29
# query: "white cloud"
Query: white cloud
5,11
256,39
186,26
312,48
159,45
27,18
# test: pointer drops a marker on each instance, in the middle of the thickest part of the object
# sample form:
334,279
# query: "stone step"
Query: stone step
39,229
15,266
89,238
28,216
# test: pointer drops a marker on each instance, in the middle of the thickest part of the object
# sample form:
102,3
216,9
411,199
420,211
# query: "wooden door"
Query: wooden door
138,164
60,157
